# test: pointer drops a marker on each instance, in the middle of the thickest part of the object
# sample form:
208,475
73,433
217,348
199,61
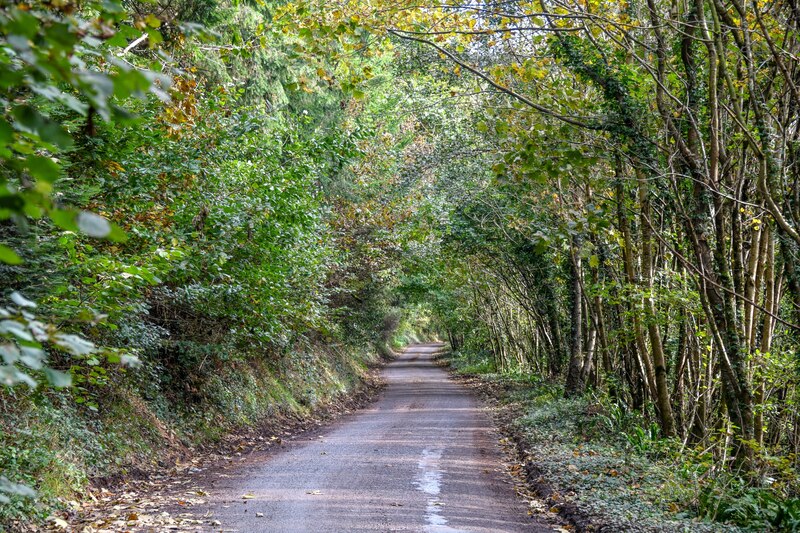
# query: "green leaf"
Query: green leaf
6,132
23,23
64,219
152,21
21,301
57,378
117,234
93,225
16,489
154,38
9,256
42,168
501,127
31,121
74,344
12,327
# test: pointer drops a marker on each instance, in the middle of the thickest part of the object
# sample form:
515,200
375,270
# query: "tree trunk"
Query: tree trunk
574,385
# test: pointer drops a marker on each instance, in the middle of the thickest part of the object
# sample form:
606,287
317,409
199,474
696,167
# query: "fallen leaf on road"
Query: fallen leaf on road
59,522
260,515
248,496
314,492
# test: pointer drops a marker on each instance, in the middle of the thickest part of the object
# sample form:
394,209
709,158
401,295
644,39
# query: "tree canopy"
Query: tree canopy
601,194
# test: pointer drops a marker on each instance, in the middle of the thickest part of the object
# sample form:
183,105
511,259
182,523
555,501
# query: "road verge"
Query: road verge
171,472
591,482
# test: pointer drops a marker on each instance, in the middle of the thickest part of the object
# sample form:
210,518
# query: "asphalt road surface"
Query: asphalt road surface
422,458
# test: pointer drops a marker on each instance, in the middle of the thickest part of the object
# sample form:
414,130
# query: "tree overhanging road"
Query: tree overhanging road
422,458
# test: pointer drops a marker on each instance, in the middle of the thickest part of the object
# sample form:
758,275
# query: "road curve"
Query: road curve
422,458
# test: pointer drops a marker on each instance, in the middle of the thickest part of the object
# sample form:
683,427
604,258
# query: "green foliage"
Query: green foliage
754,509
24,339
473,362
213,189
641,436
59,62
10,490
180,203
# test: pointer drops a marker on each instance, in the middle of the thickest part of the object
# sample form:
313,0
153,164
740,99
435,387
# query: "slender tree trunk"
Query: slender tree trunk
771,292
648,374
659,360
574,384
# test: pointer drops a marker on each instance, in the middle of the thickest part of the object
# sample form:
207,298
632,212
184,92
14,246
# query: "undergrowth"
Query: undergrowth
51,443
613,463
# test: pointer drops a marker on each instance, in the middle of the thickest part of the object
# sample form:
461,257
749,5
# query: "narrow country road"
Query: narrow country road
422,458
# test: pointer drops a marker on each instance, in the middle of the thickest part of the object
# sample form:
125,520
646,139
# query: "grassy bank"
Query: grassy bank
143,424
606,469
